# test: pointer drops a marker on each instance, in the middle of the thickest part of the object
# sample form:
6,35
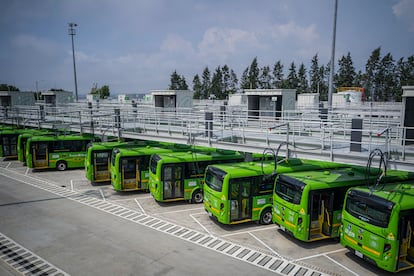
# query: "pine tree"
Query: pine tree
346,72
278,75
205,84
197,87
217,84
303,85
314,75
245,83
254,74
292,78
265,79
372,68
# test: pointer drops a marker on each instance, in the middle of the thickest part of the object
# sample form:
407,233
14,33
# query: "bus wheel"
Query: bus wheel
266,216
197,197
61,166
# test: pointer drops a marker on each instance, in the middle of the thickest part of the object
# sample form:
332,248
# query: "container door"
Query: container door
240,200
173,184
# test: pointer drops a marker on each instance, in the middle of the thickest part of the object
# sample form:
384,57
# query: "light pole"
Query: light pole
331,71
72,32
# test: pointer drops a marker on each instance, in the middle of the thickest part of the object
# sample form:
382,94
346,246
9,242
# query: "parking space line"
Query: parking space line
321,254
247,232
8,165
102,194
180,211
202,226
71,185
140,207
341,265
265,245
27,171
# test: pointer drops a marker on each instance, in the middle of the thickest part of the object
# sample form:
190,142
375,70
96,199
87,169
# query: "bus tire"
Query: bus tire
197,197
266,216
61,166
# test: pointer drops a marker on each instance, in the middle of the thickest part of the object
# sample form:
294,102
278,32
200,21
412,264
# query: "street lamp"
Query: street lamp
72,32
331,71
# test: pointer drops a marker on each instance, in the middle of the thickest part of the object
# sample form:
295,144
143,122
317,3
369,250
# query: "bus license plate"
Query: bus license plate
359,254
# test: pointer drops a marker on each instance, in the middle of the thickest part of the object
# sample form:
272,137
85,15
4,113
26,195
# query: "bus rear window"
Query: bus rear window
289,189
153,163
214,178
369,208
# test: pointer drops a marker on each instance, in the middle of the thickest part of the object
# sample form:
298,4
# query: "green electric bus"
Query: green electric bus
242,192
98,158
22,140
180,176
57,152
8,141
308,204
378,225
130,166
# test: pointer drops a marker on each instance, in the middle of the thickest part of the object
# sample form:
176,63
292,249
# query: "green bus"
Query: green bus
57,152
180,176
242,192
98,158
22,140
378,225
309,204
8,141
130,166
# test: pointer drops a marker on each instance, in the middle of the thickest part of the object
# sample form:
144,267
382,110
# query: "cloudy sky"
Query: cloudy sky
134,45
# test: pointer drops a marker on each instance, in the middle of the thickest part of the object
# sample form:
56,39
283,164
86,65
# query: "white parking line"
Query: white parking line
27,171
344,267
179,211
71,185
102,194
321,254
265,245
8,165
248,232
140,207
202,226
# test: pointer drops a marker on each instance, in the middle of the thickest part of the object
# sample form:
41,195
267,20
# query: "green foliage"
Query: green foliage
103,92
177,82
6,87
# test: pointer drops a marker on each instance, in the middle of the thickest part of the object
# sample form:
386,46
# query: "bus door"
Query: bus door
101,164
240,199
40,155
10,145
406,237
130,174
173,182
320,216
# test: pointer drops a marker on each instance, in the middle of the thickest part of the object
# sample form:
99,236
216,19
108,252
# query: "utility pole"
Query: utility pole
72,32
331,71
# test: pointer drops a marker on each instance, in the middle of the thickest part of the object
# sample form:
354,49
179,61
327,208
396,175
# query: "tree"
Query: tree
254,74
315,75
292,78
278,75
371,77
6,87
217,84
346,72
197,87
103,92
265,78
245,83
303,85
177,82
205,84
229,81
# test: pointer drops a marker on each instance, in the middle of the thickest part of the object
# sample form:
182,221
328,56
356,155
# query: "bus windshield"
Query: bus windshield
289,189
214,178
369,208
153,163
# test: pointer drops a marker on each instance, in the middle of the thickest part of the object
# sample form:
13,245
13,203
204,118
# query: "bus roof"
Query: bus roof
399,193
244,169
59,137
199,156
330,178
